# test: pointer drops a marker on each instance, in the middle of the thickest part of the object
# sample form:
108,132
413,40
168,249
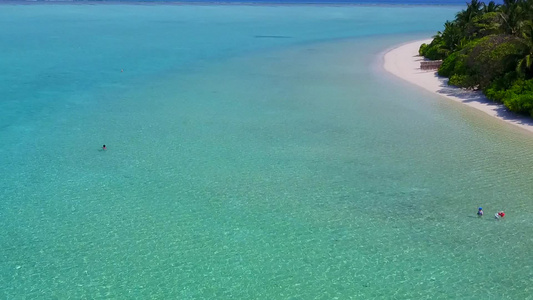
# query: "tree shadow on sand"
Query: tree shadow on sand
469,96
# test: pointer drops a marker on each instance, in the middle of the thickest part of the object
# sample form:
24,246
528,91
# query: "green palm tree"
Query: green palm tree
528,9
491,7
512,14
525,64
452,36
472,10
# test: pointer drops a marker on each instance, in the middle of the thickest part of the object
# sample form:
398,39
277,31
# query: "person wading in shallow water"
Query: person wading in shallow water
104,147
499,215
480,212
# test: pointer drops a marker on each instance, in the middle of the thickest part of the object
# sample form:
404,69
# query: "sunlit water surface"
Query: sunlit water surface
253,152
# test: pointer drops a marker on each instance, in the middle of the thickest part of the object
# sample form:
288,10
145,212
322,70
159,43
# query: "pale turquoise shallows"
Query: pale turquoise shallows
253,152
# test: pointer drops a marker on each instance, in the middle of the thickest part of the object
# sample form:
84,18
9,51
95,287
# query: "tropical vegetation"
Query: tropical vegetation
489,47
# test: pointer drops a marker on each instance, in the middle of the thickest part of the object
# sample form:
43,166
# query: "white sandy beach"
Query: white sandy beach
404,62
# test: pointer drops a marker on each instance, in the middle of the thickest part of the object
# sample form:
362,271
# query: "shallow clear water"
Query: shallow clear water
253,152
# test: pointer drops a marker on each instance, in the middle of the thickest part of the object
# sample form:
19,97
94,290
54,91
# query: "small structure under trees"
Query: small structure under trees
430,64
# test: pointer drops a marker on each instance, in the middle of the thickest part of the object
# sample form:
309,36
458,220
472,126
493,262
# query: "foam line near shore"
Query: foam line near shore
404,62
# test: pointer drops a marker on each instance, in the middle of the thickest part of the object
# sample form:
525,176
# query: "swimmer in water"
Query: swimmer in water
480,212
499,215
104,147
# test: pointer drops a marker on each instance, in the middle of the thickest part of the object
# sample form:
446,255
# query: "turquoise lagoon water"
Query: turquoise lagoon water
254,152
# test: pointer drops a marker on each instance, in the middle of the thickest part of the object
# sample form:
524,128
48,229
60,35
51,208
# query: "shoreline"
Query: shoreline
403,61
223,3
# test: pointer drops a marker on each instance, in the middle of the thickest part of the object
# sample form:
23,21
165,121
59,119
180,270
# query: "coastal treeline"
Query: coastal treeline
489,47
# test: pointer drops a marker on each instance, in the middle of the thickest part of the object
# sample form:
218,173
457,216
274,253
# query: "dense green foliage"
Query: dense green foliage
489,47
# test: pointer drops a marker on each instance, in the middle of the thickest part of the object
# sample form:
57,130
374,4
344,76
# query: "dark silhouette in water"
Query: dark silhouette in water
272,37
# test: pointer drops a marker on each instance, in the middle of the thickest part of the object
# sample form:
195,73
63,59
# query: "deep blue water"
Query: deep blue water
386,2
